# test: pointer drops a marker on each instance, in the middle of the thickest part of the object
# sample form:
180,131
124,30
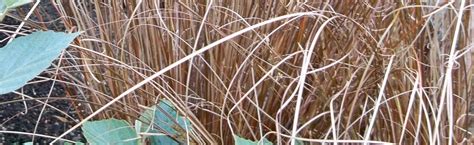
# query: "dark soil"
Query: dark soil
52,123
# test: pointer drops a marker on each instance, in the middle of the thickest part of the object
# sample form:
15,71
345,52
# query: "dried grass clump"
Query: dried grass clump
331,71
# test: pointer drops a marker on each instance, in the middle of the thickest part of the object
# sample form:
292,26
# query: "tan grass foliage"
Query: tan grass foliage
319,71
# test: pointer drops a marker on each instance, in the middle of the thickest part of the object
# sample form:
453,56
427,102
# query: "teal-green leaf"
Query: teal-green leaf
75,143
109,131
7,5
243,141
163,118
27,56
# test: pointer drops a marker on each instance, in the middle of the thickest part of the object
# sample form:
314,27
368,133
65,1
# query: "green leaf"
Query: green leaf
7,5
243,141
157,120
109,131
27,56
75,143
16,3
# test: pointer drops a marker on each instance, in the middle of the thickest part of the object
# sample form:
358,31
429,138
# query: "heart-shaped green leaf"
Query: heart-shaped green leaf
7,5
109,131
242,141
27,56
164,119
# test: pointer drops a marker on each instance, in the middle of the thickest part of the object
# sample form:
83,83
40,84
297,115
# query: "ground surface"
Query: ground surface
13,116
